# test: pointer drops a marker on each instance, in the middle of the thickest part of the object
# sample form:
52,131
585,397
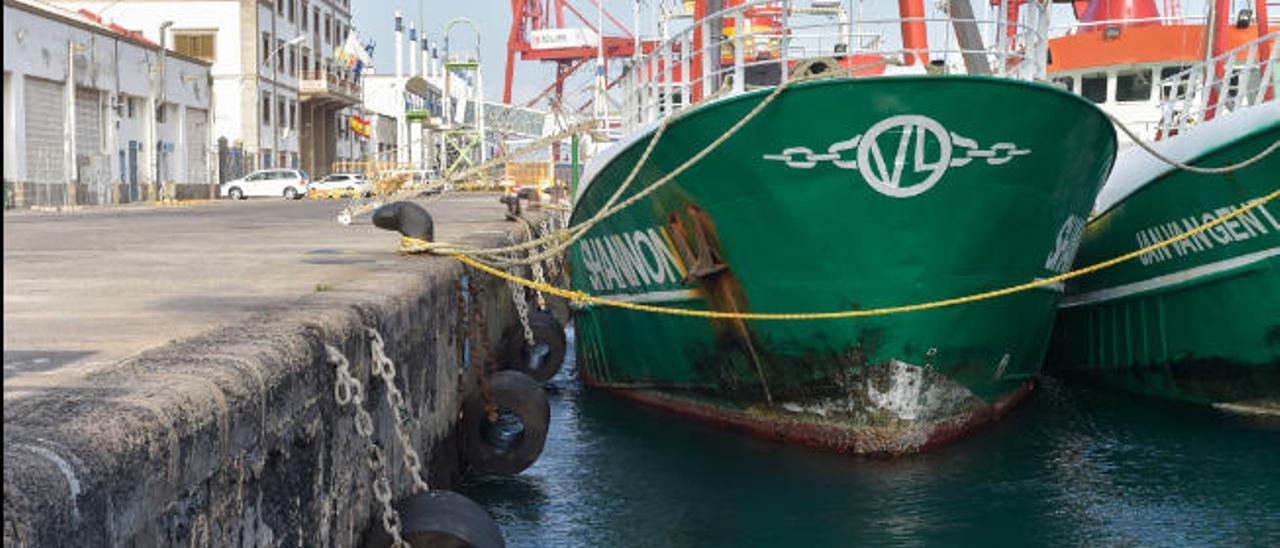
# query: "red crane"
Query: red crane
539,33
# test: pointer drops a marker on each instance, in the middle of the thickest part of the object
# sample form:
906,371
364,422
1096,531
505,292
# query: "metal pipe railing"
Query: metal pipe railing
666,78
1247,80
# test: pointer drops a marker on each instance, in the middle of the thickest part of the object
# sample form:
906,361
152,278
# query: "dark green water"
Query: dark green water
1072,466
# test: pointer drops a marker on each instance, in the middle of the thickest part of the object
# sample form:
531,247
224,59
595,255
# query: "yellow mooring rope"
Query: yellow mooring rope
584,298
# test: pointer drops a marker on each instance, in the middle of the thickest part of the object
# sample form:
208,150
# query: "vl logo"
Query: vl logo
901,156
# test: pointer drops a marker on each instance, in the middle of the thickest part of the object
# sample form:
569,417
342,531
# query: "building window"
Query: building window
293,63
266,109
328,28
281,109
279,54
198,44
131,104
303,11
266,47
292,11
266,158
306,60
280,6
293,115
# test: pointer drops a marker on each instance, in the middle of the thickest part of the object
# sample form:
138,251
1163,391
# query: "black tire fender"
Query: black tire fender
544,359
492,447
439,518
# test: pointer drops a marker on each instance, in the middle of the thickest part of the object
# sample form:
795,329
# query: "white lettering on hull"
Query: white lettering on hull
638,259
1249,225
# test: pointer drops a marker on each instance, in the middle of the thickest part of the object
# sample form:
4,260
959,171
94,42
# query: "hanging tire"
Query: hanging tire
513,442
440,518
559,309
542,360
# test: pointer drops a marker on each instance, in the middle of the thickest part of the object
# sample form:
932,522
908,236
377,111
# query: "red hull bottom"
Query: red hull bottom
842,438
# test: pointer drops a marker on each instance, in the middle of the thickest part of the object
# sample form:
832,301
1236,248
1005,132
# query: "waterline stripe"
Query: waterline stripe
1167,280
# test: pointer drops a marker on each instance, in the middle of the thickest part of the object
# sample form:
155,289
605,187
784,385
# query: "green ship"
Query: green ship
1198,321
841,194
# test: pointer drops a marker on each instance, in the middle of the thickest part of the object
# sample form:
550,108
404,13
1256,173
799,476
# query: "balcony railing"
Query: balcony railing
329,83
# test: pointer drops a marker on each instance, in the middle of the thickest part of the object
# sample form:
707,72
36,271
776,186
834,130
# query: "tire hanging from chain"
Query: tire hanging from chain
426,517
505,424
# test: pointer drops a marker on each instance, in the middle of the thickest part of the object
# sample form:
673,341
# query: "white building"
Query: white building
94,114
281,97
412,98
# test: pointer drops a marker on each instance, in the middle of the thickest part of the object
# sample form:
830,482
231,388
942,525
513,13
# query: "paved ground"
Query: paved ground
89,288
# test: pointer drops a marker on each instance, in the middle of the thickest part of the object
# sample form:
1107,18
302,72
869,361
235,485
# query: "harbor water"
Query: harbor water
1071,466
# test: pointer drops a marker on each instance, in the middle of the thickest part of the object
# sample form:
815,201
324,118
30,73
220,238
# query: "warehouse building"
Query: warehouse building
97,114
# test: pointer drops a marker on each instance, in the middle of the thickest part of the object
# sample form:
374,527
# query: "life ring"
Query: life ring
542,360
440,518
514,441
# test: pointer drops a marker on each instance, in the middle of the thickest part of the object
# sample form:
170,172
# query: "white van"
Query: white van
289,183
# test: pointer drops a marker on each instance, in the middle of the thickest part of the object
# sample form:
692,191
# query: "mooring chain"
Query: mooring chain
397,404
535,266
521,300
348,391
555,264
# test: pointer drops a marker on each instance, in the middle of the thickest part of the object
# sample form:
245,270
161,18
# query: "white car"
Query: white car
289,183
354,183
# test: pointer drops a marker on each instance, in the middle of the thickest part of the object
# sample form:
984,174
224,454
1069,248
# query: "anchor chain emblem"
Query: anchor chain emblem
885,173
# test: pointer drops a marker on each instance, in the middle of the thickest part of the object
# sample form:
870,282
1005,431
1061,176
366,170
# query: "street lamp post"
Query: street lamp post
275,89
155,112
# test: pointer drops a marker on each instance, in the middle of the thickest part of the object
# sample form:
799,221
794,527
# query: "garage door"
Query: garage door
88,123
197,134
45,157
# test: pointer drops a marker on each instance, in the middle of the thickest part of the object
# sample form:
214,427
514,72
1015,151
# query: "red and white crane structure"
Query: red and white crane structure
559,32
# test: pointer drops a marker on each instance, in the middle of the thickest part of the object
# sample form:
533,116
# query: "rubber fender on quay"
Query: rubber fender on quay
439,518
542,360
513,442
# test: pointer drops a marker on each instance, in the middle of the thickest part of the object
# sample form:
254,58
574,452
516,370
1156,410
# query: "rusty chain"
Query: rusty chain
480,335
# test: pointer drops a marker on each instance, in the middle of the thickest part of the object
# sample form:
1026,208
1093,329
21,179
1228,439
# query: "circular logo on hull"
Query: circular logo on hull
885,174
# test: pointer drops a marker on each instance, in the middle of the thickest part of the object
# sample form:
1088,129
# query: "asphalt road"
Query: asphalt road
88,288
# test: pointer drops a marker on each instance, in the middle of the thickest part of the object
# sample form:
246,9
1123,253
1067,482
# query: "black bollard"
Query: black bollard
407,218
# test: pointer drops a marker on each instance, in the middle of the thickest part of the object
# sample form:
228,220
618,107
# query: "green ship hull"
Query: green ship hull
1199,321
842,194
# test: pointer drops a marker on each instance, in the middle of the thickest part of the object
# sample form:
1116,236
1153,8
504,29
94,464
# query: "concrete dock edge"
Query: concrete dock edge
233,437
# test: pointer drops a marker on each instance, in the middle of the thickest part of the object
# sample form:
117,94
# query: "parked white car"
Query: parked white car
289,183
355,183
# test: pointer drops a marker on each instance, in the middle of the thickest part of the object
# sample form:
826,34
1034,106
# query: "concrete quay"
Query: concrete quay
166,380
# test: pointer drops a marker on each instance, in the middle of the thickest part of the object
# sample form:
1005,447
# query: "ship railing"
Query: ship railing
763,43
1235,80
